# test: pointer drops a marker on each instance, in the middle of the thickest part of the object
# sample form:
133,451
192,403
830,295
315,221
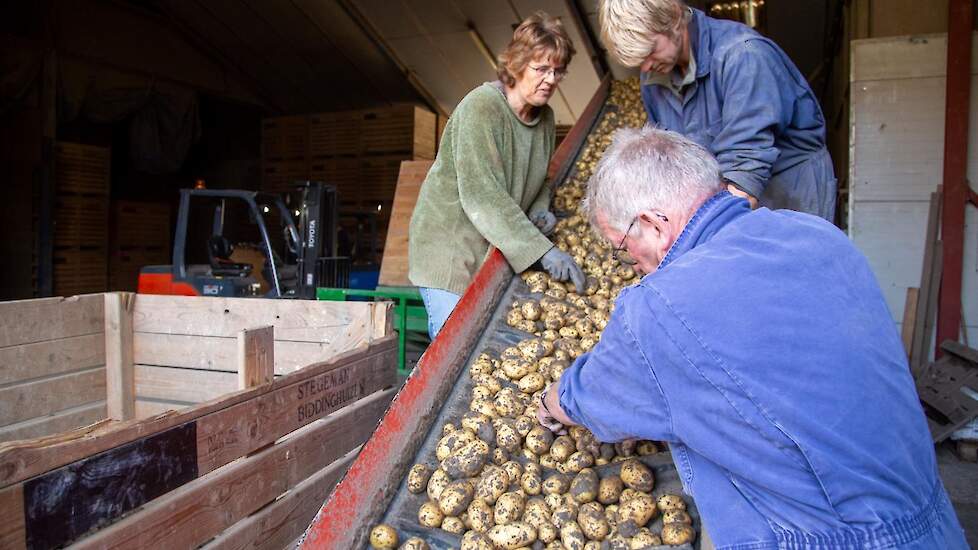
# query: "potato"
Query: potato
646,447
507,404
525,423
616,542
562,448
430,515
675,534
437,483
584,487
592,521
514,470
531,310
571,536
638,476
628,494
564,513
467,461
676,515
554,501
639,509
592,545
414,543
456,497
482,392
488,381
480,425
473,540
548,461
609,489
493,483
509,508
611,514
514,317
499,456
513,535
454,440
417,479
547,533
453,525
644,539
507,437
536,512
514,369
383,536
530,482
557,484
578,461
532,382
670,501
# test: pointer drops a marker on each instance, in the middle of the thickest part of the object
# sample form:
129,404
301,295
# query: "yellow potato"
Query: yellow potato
609,489
513,535
638,476
430,515
417,479
383,537
675,534
414,543
509,508
455,498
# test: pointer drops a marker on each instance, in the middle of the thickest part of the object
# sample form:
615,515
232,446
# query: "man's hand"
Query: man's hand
562,267
545,418
545,221
737,192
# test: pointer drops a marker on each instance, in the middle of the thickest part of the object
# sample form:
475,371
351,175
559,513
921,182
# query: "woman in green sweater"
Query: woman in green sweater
487,187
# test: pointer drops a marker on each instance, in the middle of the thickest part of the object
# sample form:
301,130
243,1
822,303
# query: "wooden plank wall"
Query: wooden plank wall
186,348
896,162
52,365
394,268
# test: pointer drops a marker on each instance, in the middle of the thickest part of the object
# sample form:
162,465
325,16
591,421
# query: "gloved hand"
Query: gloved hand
561,266
545,221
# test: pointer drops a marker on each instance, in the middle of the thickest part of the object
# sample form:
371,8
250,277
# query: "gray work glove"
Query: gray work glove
545,221
561,266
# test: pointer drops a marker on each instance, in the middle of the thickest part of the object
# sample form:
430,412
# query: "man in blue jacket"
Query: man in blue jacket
760,348
732,91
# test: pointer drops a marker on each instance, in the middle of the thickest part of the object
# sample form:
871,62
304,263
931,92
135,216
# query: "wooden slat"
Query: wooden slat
27,321
280,523
23,460
187,385
294,320
256,357
119,385
62,421
196,512
218,353
13,534
394,267
43,359
146,408
909,320
42,397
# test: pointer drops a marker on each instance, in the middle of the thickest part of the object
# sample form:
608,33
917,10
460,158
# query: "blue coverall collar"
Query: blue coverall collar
710,217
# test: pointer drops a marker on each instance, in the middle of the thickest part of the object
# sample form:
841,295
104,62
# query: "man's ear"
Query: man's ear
651,219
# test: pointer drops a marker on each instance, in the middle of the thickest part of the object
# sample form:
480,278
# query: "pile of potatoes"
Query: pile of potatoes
499,479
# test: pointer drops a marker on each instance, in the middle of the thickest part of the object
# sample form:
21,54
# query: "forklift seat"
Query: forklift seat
219,250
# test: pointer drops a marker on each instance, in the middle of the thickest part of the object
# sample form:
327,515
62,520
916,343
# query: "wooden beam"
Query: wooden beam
120,386
909,320
27,321
256,357
228,428
12,530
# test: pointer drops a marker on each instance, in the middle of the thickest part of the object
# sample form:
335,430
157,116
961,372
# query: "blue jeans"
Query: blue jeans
439,304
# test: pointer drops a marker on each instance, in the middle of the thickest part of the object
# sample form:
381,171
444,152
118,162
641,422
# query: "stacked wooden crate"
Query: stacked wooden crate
81,218
360,152
140,236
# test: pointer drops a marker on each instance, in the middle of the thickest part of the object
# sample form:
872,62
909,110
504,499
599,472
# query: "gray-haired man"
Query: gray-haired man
760,347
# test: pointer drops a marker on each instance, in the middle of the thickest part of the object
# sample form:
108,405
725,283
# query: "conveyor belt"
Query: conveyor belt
374,490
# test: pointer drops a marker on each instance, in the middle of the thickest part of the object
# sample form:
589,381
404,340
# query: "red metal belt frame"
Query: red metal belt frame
956,190
374,476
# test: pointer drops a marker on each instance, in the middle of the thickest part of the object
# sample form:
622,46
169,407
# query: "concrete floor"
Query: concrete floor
961,481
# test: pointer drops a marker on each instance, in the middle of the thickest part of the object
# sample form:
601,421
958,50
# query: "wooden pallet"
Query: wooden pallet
81,220
334,134
82,169
342,172
402,129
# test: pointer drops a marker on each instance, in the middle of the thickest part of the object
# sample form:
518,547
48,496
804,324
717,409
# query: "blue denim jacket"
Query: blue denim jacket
755,112
763,352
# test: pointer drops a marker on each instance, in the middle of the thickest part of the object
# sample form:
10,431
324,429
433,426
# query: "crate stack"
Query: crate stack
140,236
80,218
360,152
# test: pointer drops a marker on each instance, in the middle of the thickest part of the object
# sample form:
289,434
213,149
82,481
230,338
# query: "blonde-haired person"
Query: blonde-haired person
488,185
732,91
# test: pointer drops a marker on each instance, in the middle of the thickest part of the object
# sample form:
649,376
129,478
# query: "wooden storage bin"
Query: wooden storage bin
80,270
334,134
82,169
403,129
290,389
341,172
280,176
285,138
139,224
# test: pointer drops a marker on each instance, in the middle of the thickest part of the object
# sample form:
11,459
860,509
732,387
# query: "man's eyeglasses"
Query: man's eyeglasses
620,254
545,70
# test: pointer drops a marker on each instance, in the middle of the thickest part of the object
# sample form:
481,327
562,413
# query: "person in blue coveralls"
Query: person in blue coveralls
732,91
759,346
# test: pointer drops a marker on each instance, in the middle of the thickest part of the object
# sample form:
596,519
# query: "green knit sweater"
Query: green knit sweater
489,174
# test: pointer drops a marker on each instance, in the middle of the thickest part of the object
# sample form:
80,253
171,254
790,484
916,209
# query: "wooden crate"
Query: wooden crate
250,466
341,172
140,224
280,176
378,177
82,169
402,129
79,270
81,220
334,134
285,138
394,268
125,263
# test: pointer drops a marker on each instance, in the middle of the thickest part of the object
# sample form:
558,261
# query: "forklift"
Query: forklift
298,245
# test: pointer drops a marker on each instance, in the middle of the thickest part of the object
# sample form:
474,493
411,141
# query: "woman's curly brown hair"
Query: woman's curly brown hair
539,33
